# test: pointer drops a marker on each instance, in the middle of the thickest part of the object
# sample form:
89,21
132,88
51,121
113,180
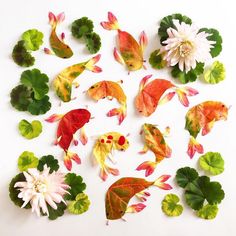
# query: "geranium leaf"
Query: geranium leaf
215,73
191,76
21,56
27,160
170,205
55,213
208,212
214,36
37,81
81,27
212,162
79,205
185,175
14,192
167,22
156,60
93,42
21,97
202,189
33,39
37,107
30,130
76,186
50,161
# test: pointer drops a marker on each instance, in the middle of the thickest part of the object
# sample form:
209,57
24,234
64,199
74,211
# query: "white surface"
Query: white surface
134,16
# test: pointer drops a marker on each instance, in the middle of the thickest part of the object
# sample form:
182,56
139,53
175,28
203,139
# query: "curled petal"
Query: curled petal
112,18
182,97
112,171
54,118
118,57
190,91
60,17
52,18
48,51
135,208
143,41
83,137
106,25
194,147
68,163
103,174
160,182
166,98
144,81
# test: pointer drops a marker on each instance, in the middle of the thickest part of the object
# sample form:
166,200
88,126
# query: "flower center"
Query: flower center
185,48
40,187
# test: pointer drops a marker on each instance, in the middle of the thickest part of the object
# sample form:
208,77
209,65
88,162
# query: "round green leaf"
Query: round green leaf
37,81
81,27
93,42
208,212
215,73
37,107
156,60
27,160
50,162
185,175
212,162
14,192
30,130
33,39
80,205
170,206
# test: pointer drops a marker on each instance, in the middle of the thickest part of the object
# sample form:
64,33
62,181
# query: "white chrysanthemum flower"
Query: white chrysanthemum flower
186,46
41,188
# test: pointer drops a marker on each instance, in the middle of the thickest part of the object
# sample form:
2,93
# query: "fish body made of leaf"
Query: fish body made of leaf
60,49
119,194
202,118
131,52
63,82
154,141
150,94
103,148
110,90
68,125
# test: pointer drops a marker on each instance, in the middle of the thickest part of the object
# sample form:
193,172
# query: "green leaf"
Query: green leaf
191,76
50,161
156,60
214,36
33,39
93,42
30,130
170,206
167,22
212,162
185,175
21,56
55,213
208,212
215,73
81,27
37,81
14,192
21,97
80,205
37,107
202,189
76,186
27,160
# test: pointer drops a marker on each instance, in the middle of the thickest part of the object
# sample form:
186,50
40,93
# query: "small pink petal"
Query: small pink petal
62,36
113,171
106,25
112,18
144,81
118,57
135,208
166,98
182,97
148,166
83,137
76,158
103,175
190,91
143,41
48,51
68,163
52,18
54,118
96,69
61,17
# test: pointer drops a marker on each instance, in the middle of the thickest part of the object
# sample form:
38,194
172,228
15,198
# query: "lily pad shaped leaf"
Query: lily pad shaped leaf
208,212
201,190
156,60
55,213
33,39
37,81
212,162
50,161
30,130
80,205
215,73
37,107
186,175
27,160
170,205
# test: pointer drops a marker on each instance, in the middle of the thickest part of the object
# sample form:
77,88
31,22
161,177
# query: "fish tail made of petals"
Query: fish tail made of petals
148,166
193,147
111,24
134,208
160,182
90,65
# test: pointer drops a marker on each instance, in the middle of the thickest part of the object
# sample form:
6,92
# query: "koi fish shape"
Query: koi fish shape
155,142
65,79
202,118
123,190
67,127
58,46
103,148
150,94
131,51
110,90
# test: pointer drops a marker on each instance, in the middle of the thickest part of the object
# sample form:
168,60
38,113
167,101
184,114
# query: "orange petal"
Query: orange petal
68,163
103,174
112,171
118,57
106,25
144,81
76,158
83,137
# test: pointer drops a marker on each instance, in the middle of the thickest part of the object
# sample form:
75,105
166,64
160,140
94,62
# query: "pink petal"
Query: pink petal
135,208
143,41
118,57
54,118
144,81
166,98
61,17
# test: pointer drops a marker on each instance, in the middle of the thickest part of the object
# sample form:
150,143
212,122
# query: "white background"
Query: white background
134,16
